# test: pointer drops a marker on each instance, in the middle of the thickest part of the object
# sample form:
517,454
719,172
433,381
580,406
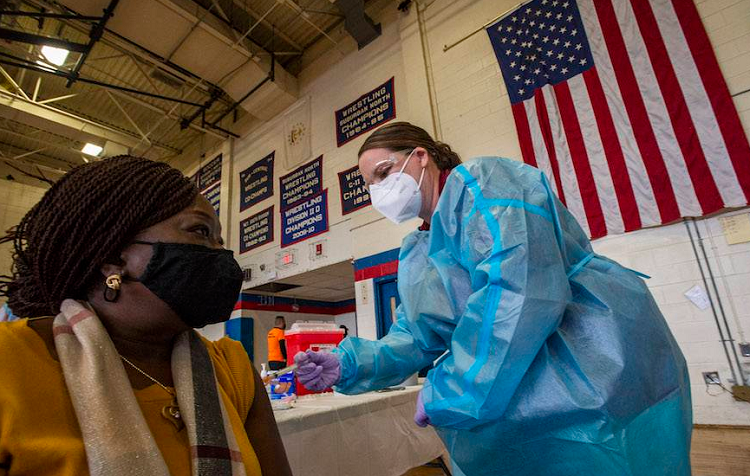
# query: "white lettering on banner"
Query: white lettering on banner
355,192
263,232
257,193
303,216
256,225
363,116
300,188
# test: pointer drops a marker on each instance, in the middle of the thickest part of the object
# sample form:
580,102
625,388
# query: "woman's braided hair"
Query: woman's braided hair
404,135
83,222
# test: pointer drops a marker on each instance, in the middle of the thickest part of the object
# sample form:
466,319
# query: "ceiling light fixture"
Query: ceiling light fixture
92,149
56,56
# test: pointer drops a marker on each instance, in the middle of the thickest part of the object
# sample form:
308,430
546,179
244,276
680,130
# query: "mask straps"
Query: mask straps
407,162
421,177
139,242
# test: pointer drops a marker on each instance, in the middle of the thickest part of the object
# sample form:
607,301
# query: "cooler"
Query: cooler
317,336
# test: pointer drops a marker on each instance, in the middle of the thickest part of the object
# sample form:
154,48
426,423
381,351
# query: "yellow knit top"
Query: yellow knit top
39,432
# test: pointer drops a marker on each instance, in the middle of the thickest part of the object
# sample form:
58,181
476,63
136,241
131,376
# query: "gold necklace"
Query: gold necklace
170,411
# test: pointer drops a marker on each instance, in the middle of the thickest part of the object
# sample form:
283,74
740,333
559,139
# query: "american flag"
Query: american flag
623,105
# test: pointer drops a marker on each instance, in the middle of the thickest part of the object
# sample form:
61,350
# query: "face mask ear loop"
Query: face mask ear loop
401,172
419,185
421,177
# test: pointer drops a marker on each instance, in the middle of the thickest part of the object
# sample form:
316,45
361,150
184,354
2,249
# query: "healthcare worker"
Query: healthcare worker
553,360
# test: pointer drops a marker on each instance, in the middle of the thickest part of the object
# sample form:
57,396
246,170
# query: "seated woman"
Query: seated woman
113,269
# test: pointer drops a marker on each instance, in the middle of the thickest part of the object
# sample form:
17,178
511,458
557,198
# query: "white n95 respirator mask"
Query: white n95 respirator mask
397,196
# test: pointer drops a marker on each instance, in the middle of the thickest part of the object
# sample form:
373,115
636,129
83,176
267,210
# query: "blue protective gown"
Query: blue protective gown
558,360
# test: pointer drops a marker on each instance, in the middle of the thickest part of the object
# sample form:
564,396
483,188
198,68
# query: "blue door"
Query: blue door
386,302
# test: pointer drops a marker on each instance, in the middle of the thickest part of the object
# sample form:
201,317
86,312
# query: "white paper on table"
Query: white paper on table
736,228
698,296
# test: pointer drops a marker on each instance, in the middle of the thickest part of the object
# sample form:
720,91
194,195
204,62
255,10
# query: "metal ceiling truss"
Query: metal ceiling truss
107,127
94,35
71,18
23,63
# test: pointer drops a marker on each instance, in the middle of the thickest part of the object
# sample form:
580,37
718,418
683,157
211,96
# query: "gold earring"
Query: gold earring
114,281
112,289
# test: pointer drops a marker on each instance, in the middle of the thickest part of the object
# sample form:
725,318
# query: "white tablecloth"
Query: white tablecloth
363,435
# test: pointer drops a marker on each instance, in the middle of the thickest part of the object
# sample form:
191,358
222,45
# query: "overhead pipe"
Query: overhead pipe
23,37
721,305
61,16
96,33
711,302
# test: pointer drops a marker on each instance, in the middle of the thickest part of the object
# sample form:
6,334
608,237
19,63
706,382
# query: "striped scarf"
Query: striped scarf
116,436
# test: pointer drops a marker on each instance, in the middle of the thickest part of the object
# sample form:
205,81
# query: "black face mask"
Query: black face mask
200,284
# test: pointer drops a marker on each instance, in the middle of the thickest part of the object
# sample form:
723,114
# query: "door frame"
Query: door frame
379,318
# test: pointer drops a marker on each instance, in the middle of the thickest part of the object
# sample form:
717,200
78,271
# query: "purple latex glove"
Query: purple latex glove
420,417
317,370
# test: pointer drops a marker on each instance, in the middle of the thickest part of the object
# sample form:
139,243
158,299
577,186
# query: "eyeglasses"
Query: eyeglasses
392,159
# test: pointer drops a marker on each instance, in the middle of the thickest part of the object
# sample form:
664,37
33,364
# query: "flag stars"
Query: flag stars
549,53
504,40
548,15
545,39
542,26
523,67
532,23
578,47
518,54
509,29
513,64
567,44
507,52
521,91
538,12
563,30
553,28
574,32
536,36
582,62
571,59
537,71
514,19
558,16
553,67
513,41
565,5
570,18
528,81
555,3
560,56
517,77
556,42
564,71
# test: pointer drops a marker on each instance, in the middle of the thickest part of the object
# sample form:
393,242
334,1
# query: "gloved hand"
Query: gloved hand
420,417
317,370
